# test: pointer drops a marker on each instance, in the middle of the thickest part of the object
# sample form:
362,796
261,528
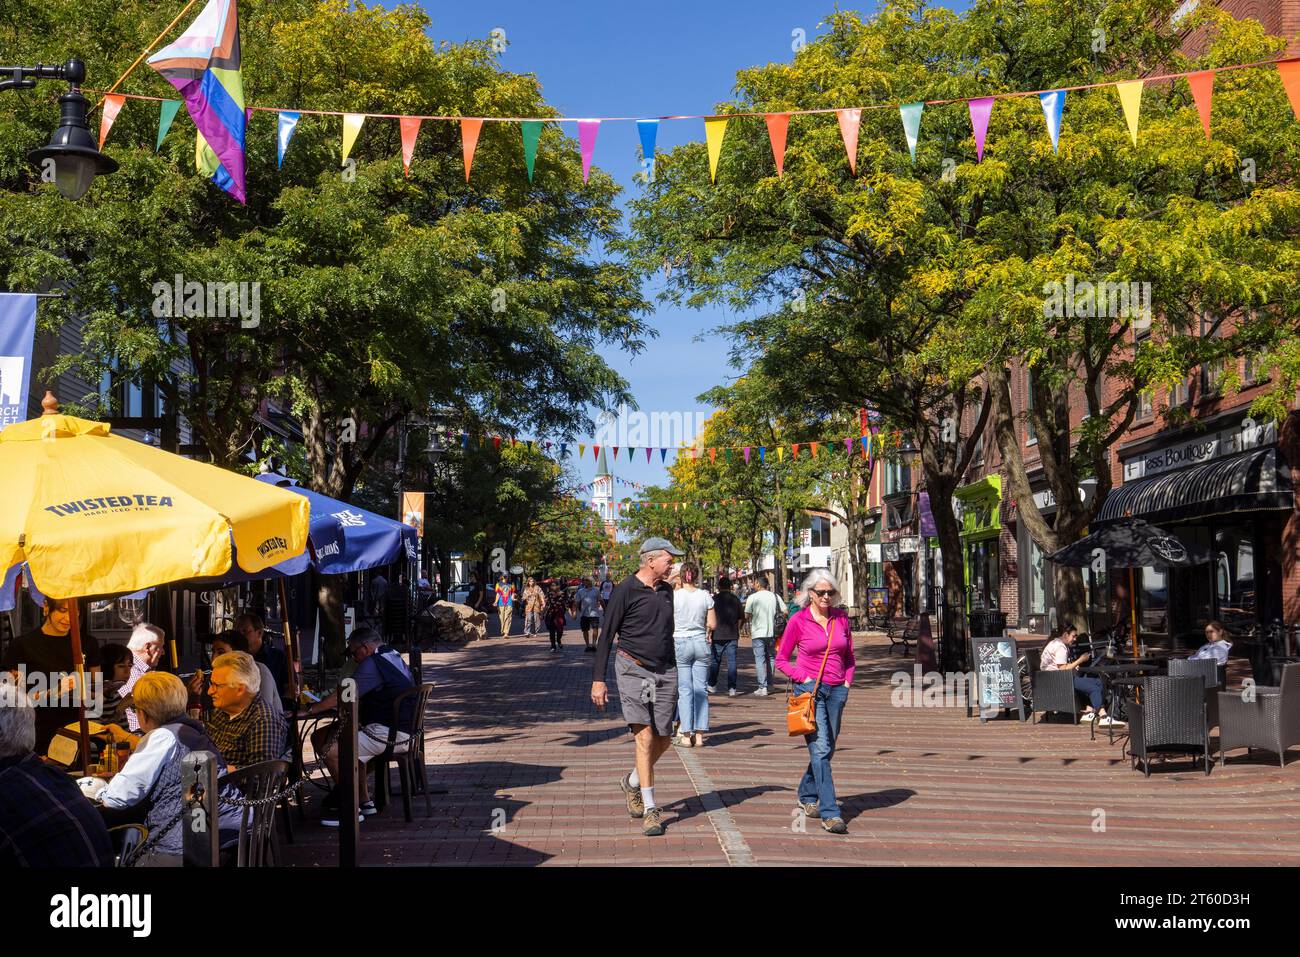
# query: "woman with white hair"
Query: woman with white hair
820,637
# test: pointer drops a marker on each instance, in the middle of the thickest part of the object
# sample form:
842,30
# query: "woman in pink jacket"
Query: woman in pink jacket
820,631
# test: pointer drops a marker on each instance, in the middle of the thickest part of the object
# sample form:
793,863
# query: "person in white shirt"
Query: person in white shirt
693,622
587,606
760,614
1217,643
1056,657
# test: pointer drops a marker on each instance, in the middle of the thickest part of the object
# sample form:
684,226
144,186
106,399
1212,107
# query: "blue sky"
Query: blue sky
600,58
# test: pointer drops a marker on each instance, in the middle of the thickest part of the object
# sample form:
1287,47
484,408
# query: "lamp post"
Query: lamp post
71,153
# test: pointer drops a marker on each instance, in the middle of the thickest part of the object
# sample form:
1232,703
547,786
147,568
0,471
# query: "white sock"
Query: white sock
633,780
648,797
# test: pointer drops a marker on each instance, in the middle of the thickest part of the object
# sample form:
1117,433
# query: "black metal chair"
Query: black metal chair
1171,717
1270,722
903,632
257,836
1207,669
133,837
410,761
1053,691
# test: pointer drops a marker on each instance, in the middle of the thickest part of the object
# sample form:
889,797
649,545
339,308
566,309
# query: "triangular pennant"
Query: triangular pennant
531,449
649,132
1202,84
288,125
848,446
794,451
866,441
595,452
112,106
747,455
762,454
1290,74
780,453
980,111
615,448
167,110
814,449
728,455
496,442
470,127
778,127
850,120
713,455
1053,104
532,132
647,454
715,128
582,450
587,130
410,126
1130,98
564,450
351,128
663,456
911,113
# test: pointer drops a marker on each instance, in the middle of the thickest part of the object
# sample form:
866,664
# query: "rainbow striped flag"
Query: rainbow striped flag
203,64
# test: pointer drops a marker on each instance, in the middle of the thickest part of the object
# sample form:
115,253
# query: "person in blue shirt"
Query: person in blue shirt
1217,643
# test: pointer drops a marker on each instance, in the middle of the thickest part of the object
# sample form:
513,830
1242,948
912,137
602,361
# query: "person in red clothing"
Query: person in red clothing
820,636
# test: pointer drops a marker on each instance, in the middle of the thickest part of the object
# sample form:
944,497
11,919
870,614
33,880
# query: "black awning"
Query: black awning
1249,482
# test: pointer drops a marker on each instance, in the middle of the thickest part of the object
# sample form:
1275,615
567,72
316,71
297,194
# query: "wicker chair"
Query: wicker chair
257,838
1271,722
1054,691
1170,717
1207,669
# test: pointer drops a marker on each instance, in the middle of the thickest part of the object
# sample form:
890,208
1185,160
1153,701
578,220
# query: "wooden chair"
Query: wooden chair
410,762
257,837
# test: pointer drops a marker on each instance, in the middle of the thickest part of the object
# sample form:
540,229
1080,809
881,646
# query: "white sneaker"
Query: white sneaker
1108,721
761,693
1087,716
711,689
731,692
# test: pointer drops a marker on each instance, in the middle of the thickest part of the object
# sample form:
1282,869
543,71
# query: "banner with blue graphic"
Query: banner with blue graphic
17,334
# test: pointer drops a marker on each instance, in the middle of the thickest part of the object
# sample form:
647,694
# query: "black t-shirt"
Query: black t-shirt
48,656
643,620
727,612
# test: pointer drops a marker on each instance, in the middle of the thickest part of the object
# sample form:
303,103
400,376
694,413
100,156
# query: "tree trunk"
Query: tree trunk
329,595
1071,598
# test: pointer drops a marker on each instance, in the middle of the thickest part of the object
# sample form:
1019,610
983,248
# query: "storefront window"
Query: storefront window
1155,601
1037,580
982,567
1235,585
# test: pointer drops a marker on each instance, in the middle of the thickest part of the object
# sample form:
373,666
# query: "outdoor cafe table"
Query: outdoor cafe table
1119,677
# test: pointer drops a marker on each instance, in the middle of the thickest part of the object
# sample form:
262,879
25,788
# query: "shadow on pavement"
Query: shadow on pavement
689,807
851,807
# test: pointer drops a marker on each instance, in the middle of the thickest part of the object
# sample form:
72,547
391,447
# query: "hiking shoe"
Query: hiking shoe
810,809
835,825
652,825
635,806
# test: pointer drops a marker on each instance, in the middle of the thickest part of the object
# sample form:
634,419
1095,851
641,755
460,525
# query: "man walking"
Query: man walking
645,669
727,613
505,602
534,599
760,612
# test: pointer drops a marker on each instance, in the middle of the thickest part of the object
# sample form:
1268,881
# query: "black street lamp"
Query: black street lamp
72,149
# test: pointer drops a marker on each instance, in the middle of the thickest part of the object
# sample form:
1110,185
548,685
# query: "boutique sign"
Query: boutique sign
1203,448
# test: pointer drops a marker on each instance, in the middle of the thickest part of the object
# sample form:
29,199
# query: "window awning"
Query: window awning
1249,482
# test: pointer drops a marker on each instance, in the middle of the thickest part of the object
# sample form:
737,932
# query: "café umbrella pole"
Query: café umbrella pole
79,662
1133,607
290,644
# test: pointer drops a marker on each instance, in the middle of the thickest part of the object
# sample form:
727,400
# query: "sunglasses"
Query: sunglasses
823,592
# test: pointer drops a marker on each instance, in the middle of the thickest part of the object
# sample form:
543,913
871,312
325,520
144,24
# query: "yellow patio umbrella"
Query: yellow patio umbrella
95,514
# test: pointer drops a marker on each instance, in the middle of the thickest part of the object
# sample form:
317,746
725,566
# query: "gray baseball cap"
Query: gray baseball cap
660,544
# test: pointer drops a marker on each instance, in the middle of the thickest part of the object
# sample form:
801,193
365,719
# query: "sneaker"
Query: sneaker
635,806
330,818
1087,716
731,692
711,689
1108,721
368,809
835,825
762,693
682,740
652,825
810,809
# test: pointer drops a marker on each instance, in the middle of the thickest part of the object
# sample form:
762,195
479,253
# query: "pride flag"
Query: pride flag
203,65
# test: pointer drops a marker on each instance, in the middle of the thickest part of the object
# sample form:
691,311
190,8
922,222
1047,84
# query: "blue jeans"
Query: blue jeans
817,786
1091,687
763,658
723,649
693,658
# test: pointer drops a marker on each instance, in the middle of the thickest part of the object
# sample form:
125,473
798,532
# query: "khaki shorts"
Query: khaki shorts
648,697
372,741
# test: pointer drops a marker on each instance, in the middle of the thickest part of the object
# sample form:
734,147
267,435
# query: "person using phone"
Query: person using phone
1056,657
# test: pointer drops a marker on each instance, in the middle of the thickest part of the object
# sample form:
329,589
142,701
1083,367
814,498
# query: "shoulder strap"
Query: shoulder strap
830,637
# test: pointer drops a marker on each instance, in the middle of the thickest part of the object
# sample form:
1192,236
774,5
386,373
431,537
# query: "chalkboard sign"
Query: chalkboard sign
997,677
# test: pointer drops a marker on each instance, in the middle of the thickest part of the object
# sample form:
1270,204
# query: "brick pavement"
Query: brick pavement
530,772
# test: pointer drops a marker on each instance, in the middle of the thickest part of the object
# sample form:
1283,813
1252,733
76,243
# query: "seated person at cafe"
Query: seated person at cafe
115,660
245,729
45,820
148,788
224,644
251,626
1056,657
45,655
1217,643
381,676
146,646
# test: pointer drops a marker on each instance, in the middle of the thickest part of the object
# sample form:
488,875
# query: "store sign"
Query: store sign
1203,448
873,553
890,551
909,545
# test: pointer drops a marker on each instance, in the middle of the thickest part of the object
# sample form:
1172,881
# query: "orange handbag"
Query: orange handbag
801,709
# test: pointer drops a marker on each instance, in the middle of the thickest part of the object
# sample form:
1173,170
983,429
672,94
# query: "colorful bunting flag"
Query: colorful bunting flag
112,106
778,126
663,456
564,450
1290,74
1202,85
648,130
762,454
814,449
615,448
595,452
747,455
647,454
410,126
167,110
1053,104
780,453
204,66
288,125
980,111
1130,98
911,113
582,450
715,128
532,132
848,446
713,455
866,442
351,129
850,120
496,443
470,127
587,130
